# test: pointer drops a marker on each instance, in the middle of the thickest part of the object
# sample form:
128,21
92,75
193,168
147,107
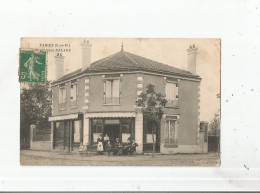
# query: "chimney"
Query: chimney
192,52
86,55
59,65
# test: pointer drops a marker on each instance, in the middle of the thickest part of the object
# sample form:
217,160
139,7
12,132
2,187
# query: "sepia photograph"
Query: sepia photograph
130,95
120,102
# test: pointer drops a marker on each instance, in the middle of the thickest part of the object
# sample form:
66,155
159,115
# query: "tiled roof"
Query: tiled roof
70,75
127,61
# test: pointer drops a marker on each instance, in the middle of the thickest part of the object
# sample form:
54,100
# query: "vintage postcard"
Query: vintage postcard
120,102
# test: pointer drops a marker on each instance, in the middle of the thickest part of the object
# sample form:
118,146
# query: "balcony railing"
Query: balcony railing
73,103
171,142
172,103
62,106
112,100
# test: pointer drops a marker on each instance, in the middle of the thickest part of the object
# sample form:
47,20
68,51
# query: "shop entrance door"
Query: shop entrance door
67,136
113,132
63,136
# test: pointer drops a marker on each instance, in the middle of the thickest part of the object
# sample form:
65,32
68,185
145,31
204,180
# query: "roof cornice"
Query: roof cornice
156,73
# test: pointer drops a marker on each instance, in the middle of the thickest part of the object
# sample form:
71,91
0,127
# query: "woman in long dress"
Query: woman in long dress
100,144
106,139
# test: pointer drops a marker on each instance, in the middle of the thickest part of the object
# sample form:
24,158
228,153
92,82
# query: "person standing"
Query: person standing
106,139
100,144
108,147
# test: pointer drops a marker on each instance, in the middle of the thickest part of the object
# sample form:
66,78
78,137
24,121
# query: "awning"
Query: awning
110,115
64,117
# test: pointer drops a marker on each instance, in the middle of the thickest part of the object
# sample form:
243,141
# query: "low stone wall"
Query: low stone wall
41,145
40,139
184,149
201,147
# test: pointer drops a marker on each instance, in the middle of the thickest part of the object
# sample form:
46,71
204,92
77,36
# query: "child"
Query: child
82,149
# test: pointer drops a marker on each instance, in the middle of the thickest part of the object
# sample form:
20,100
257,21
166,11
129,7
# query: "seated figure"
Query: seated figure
133,147
118,147
82,149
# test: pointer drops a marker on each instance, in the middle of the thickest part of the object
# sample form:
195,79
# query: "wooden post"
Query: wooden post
120,130
52,135
32,128
70,136
153,139
64,135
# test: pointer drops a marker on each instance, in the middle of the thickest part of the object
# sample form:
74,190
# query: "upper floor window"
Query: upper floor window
74,95
112,91
171,94
62,98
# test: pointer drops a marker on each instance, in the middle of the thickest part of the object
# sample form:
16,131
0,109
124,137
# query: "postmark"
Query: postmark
32,65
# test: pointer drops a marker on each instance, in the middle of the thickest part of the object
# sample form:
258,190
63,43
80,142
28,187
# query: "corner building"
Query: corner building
100,98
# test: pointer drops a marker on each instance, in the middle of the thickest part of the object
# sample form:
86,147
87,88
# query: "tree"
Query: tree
214,126
35,108
152,104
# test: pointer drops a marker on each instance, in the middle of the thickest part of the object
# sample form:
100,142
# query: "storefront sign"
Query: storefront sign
109,121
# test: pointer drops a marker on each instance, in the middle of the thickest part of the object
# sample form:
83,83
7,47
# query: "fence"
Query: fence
40,139
213,143
42,135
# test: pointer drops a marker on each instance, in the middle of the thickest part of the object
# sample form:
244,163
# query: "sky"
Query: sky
172,52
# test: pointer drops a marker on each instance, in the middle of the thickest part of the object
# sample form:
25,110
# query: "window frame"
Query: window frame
76,98
175,139
172,102
62,105
111,79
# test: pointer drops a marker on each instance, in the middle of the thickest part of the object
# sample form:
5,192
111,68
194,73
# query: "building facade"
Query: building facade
100,98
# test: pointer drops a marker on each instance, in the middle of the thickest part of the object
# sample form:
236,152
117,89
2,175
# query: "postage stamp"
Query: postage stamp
32,65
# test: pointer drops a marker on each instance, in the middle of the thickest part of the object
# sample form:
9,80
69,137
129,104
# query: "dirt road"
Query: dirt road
42,158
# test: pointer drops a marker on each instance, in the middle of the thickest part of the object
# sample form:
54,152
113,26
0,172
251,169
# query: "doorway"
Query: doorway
113,132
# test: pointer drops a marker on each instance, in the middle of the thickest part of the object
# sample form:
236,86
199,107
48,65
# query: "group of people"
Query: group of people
104,144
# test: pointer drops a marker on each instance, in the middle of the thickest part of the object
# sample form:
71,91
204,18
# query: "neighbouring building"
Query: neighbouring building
100,98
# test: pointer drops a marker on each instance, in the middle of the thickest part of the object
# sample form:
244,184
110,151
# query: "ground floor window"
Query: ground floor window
127,129
59,131
67,134
171,133
122,128
97,129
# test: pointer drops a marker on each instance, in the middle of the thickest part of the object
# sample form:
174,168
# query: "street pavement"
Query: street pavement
47,158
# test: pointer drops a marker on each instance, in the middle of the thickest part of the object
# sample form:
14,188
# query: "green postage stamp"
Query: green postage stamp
32,65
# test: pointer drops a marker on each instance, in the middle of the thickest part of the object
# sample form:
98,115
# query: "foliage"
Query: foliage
152,104
214,126
35,108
